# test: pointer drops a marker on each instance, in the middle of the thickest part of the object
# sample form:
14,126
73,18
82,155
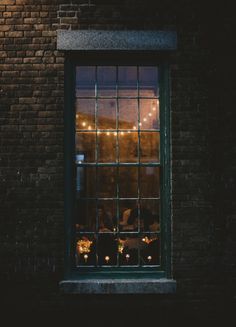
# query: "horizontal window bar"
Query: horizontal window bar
117,164
116,97
117,198
117,130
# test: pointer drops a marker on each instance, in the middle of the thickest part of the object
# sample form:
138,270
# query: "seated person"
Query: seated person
145,215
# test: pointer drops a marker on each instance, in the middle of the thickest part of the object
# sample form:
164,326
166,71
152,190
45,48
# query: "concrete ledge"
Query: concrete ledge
119,286
116,40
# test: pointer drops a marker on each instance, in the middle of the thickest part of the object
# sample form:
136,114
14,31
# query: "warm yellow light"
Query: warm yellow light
150,114
122,133
149,258
107,258
108,133
89,127
140,124
134,127
144,119
127,256
153,108
84,123
85,257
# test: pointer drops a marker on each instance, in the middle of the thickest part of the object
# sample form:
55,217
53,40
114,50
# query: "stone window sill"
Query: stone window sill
119,286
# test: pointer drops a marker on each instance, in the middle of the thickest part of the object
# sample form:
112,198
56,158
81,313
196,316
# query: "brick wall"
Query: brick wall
31,134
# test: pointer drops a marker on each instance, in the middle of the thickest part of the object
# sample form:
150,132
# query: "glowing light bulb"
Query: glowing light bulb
85,257
143,239
77,116
84,123
127,256
107,258
140,124
153,108
122,133
149,258
150,114
115,133
134,127
144,119
89,127
108,133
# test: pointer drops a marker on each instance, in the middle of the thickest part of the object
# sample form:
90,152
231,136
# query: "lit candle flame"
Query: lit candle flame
107,258
84,123
89,127
85,257
149,258
127,257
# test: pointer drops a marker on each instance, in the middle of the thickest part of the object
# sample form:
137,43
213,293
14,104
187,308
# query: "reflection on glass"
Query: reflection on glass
85,114
85,181
127,81
149,181
149,215
128,247
86,250
106,114
128,114
128,182
106,80
128,147
106,182
106,212
107,147
85,143
148,81
149,114
150,249
85,215
149,146
107,249
85,81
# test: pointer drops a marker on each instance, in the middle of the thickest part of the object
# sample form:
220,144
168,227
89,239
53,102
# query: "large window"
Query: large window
119,187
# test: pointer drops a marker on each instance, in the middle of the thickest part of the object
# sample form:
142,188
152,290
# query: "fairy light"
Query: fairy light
127,256
89,127
107,258
85,257
83,123
108,133
150,114
149,258
145,119
153,108
140,124
122,133
134,127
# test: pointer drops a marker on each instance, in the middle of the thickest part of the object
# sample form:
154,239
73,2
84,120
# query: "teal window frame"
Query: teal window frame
118,58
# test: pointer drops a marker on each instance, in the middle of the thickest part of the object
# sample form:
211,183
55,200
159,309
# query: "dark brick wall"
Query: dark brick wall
31,136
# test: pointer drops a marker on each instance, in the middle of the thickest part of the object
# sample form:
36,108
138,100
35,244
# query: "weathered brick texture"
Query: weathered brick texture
203,139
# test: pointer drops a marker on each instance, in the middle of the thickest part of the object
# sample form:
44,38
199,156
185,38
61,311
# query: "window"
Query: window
117,167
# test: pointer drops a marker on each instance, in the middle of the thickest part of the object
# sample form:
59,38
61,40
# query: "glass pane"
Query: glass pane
149,114
128,147
107,249
149,147
149,181
106,115
85,81
148,81
106,80
85,181
150,215
127,81
106,182
85,114
128,182
128,247
85,217
126,212
85,145
128,114
86,250
150,249
106,212
107,147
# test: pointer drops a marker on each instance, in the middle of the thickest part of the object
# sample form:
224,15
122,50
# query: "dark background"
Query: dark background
203,160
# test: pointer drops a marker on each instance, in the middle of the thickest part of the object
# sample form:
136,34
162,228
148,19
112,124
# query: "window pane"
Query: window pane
85,145
107,147
149,114
126,208
128,247
106,116
127,81
128,147
106,212
85,81
128,182
148,81
106,182
149,181
86,250
150,249
128,114
86,181
149,147
106,80
149,215
107,249
85,114
85,215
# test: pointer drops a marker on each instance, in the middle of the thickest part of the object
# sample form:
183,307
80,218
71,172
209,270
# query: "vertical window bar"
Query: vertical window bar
139,263
96,161
117,163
